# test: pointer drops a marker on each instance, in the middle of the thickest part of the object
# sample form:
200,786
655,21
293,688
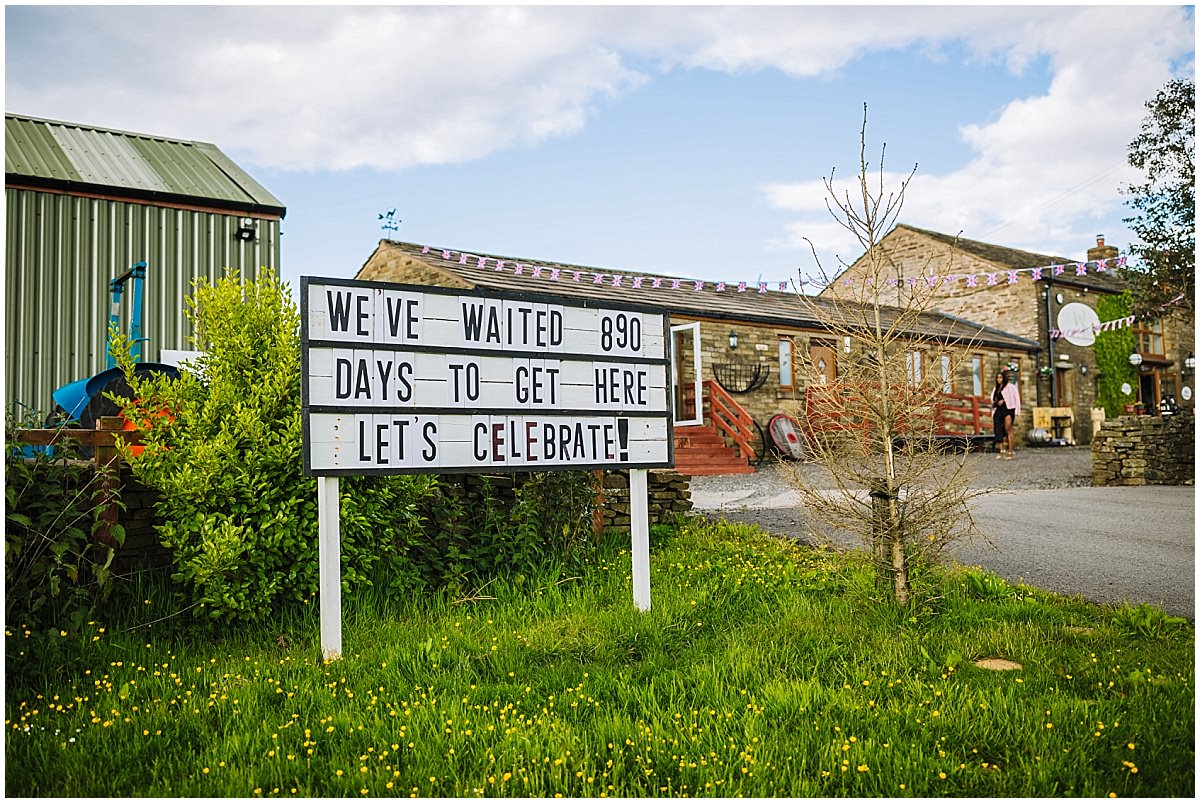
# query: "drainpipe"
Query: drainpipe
1050,338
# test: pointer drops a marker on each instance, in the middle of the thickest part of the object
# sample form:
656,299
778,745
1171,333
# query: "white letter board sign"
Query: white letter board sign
403,379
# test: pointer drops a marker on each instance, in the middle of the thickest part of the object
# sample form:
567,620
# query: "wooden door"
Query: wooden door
823,360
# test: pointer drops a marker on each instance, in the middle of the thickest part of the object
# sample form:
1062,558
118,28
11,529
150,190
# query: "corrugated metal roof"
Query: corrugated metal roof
73,156
781,308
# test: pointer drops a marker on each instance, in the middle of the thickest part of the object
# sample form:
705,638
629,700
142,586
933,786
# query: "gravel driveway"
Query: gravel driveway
1033,469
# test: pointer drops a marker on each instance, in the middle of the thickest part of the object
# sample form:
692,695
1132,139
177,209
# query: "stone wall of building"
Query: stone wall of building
907,253
1145,450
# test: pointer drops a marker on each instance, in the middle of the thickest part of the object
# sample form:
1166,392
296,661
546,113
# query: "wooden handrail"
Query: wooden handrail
730,418
825,410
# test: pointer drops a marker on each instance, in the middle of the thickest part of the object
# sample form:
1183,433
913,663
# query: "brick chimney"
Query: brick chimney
1101,251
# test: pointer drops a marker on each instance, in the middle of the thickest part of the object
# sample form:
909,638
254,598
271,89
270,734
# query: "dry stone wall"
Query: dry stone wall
669,495
1145,450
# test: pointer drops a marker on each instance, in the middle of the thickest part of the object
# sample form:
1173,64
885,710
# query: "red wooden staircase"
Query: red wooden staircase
702,450
705,450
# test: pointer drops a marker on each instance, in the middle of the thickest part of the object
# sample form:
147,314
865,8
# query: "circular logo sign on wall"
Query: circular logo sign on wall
1078,323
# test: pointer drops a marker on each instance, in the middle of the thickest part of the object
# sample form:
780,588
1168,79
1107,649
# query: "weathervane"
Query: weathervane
390,221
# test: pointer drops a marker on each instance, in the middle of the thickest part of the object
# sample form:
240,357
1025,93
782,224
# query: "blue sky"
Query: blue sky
678,140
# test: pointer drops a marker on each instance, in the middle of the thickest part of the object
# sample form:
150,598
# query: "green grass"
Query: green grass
763,669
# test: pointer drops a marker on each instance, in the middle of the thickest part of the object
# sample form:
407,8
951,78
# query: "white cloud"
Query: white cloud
392,87
1051,164
328,88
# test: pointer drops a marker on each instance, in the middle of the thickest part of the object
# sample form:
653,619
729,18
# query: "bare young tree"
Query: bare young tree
873,428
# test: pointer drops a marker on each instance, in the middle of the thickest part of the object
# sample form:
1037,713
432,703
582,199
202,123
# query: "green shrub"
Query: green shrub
53,575
1113,348
223,448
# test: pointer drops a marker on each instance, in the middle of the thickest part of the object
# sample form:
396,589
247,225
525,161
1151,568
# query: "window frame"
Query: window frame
1146,333
949,385
790,343
914,367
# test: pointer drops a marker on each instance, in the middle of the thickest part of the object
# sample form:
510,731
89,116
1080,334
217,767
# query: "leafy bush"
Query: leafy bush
223,448
1113,348
53,575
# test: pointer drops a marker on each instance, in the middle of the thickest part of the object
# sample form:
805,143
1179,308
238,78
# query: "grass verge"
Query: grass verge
764,669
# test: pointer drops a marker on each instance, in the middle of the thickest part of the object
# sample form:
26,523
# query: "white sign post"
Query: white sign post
329,557
401,379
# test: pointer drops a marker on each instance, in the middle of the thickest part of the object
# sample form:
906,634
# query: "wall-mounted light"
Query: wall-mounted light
1083,369
733,338
245,230
1190,362
1135,359
1058,298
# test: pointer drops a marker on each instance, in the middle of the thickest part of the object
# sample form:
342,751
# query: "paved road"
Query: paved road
1109,545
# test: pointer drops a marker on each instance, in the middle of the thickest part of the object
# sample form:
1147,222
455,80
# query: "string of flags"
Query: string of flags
1107,326
697,285
1007,277
1096,328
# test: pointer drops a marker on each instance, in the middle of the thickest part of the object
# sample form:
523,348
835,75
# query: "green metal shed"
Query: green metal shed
83,204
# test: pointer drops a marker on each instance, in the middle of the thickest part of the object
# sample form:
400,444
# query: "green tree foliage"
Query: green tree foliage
1112,348
223,447
1164,272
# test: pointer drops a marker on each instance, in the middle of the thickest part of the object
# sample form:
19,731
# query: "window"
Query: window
977,375
786,371
1149,338
947,374
912,365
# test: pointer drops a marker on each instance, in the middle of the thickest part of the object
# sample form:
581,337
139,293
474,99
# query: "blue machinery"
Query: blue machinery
83,401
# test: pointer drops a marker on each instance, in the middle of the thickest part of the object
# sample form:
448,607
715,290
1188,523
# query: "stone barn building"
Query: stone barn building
744,354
